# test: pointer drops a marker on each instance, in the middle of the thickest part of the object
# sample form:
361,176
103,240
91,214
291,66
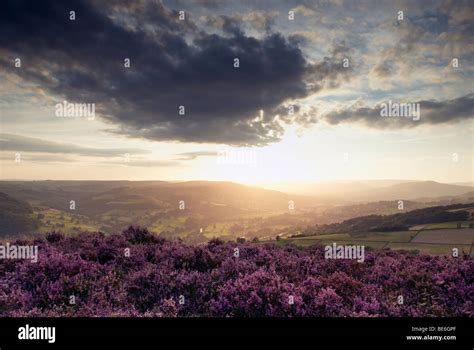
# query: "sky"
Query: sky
250,91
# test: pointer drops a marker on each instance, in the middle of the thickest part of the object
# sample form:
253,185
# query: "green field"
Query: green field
445,236
56,220
441,225
432,249
399,236
334,236
370,244
218,229
168,223
398,240
311,242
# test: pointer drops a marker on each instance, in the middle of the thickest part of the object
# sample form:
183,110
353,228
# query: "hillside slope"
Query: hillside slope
16,216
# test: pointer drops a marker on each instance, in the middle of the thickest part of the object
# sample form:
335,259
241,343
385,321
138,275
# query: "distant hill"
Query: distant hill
468,183
95,197
199,210
415,190
343,212
347,192
396,222
172,209
446,200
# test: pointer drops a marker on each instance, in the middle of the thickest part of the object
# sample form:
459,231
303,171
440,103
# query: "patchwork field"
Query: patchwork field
428,241
448,236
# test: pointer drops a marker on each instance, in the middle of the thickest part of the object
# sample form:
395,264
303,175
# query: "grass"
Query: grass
398,240
218,229
334,236
65,222
452,224
373,245
166,224
445,236
398,236
310,242
432,249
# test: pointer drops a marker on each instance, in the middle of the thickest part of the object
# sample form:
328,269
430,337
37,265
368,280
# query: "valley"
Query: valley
198,211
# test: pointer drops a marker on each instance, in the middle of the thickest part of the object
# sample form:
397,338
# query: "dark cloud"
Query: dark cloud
431,112
330,72
17,143
172,64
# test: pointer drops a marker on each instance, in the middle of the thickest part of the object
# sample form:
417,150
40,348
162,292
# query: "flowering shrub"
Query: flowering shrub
138,274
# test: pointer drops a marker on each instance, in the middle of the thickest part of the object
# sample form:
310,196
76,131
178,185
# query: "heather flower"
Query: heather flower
161,278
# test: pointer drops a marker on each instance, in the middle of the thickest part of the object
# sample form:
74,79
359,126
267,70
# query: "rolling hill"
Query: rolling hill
200,210
417,190
346,192
194,210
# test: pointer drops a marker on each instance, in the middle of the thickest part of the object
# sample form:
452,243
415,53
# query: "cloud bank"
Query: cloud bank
172,64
